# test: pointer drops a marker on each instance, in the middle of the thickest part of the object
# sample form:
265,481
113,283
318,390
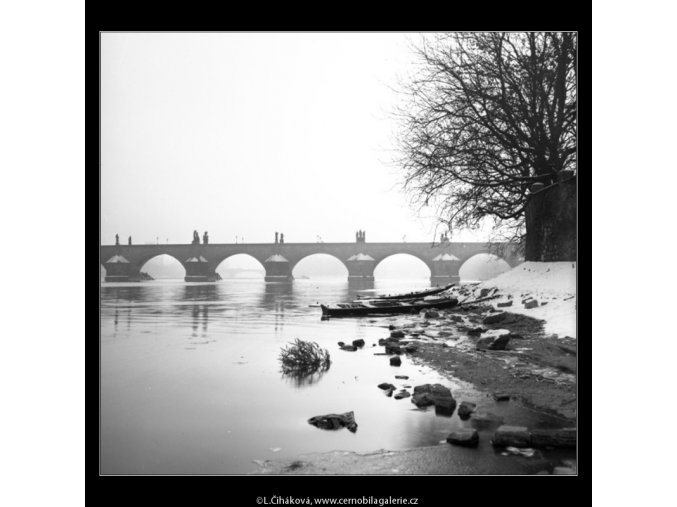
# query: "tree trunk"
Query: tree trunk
551,223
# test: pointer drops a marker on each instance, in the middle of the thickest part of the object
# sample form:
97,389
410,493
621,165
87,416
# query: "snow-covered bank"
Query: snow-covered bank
552,283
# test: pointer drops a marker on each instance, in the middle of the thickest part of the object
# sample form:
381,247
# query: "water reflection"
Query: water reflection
424,430
124,293
209,295
358,284
208,400
201,292
276,293
196,316
272,295
276,298
302,381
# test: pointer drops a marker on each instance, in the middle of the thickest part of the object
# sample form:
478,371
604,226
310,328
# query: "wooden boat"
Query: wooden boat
386,301
386,306
410,295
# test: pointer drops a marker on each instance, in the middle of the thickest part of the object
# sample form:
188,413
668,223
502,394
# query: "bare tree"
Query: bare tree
489,115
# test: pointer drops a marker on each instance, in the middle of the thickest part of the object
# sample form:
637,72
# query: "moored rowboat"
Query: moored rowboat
410,295
381,306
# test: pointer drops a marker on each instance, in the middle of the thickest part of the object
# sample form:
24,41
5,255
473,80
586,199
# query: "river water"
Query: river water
190,379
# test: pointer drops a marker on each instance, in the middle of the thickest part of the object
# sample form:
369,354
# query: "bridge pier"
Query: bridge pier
278,278
278,269
123,263
444,269
119,269
201,278
361,267
121,275
199,269
366,278
444,279
121,278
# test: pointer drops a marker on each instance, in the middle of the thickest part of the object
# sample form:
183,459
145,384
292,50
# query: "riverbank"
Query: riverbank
535,305
432,460
518,344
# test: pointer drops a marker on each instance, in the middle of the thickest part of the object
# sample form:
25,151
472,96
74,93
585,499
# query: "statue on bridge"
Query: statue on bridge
129,241
360,236
205,238
117,240
196,238
281,238
276,237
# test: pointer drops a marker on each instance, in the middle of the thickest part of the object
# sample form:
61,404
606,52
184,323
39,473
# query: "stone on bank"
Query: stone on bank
335,421
465,409
464,438
434,394
512,436
494,318
495,339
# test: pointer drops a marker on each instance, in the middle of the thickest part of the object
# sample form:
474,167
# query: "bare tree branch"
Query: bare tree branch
489,114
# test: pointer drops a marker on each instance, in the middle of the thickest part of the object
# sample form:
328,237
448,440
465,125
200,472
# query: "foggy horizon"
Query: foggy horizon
246,134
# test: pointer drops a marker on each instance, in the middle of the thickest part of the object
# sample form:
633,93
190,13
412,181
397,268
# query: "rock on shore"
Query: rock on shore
512,436
434,394
519,436
495,339
335,421
464,438
465,409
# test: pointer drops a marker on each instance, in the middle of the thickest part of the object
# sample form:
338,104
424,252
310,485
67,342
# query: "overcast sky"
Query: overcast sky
251,133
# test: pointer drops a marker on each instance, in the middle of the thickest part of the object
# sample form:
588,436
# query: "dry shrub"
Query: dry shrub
303,358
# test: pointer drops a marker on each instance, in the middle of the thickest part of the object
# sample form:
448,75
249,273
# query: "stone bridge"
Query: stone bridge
123,263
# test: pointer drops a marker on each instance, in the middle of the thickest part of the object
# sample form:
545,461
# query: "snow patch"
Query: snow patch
196,259
495,333
552,283
446,257
117,259
276,258
361,257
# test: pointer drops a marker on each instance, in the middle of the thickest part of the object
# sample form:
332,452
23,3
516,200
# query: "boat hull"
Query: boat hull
411,295
356,310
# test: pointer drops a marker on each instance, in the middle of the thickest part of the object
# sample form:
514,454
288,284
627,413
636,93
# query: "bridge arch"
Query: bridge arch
124,262
162,265
482,266
408,264
240,265
140,260
313,265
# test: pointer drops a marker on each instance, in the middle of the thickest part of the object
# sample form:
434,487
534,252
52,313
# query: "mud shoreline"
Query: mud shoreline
535,370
